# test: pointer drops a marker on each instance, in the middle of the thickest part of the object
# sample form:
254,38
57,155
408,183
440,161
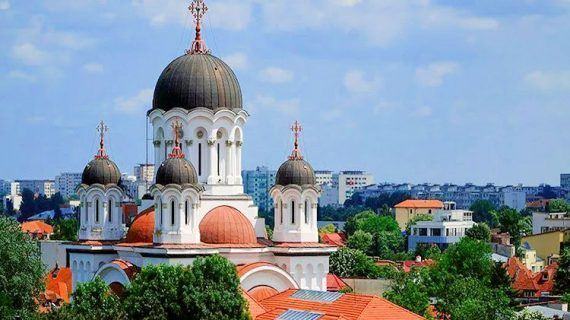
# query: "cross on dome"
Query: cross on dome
176,130
102,128
198,9
296,154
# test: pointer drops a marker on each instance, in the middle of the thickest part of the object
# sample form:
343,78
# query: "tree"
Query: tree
558,205
387,244
21,271
55,202
410,292
370,222
360,240
65,229
468,258
28,206
91,301
352,263
531,315
562,278
511,221
480,231
428,251
329,228
482,211
414,220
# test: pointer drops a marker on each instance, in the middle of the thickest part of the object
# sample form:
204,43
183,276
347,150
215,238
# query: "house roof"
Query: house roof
335,283
348,306
525,280
408,265
255,309
37,227
336,239
410,203
58,285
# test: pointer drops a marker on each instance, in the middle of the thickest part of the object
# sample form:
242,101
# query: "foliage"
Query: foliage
482,212
268,216
562,278
33,204
428,251
91,301
329,228
379,203
530,315
410,291
565,298
511,221
334,213
209,289
547,192
387,244
370,222
479,231
360,240
468,258
21,271
269,232
352,263
65,229
414,220
558,205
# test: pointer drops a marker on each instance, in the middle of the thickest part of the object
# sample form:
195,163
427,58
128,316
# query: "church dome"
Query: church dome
295,171
142,228
226,225
102,171
197,80
176,171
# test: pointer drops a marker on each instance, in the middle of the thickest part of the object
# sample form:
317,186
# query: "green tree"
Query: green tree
511,221
370,222
21,271
565,298
387,244
562,278
329,228
480,231
65,229
410,291
91,301
360,240
531,315
558,205
428,251
352,263
468,258
482,211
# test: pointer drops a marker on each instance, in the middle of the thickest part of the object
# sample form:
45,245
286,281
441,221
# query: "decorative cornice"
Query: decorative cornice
229,143
156,143
211,142
189,142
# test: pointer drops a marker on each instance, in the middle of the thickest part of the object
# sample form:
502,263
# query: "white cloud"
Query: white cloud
237,60
423,112
288,106
133,105
4,5
548,81
356,82
433,74
276,75
21,75
93,68
29,54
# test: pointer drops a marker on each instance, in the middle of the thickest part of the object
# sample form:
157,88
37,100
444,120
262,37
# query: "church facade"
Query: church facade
197,206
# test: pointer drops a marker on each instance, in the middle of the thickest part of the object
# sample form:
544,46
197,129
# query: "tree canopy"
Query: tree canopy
482,212
352,263
562,279
480,231
558,205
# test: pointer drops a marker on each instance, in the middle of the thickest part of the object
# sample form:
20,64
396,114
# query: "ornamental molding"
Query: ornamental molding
156,143
229,143
239,143
169,142
189,142
211,142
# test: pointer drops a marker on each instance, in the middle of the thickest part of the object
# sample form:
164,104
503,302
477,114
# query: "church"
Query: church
197,205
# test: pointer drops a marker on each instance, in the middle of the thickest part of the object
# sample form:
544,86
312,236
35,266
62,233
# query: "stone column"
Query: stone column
238,179
212,177
229,160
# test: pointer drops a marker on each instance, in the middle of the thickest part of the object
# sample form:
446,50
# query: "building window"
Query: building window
199,159
172,212
292,212
281,211
97,211
436,232
218,159
422,232
160,211
186,212
306,212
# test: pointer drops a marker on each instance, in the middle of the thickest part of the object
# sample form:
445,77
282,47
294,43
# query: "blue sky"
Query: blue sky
417,91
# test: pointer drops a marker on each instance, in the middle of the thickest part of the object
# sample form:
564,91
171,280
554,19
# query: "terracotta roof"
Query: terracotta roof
408,265
335,283
37,227
275,313
185,246
410,203
245,268
262,292
544,280
255,309
58,282
336,239
226,225
142,228
525,280
130,269
301,245
349,306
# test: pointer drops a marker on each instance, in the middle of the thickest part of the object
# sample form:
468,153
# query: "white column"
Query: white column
212,179
238,179
229,170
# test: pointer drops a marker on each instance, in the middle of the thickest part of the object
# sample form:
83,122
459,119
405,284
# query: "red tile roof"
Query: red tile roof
336,239
37,227
524,280
245,268
408,265
335,283
275,313
262,292
430,204
255,309
225,224
58,281
142,228
349,306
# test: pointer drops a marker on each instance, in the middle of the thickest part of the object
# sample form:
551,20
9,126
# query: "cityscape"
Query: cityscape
292,160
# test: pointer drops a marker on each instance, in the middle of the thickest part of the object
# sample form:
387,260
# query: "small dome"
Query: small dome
226,225
102,171
295,171
197,80
176,171
142,228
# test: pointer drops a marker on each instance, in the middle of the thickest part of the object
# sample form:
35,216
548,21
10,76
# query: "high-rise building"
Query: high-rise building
351,181
4,187
323,177
45,187
565,180
144,172
66,183
257,183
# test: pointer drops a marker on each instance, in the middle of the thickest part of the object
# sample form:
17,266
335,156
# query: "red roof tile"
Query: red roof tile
430,204
408,265
255,309
37,227
525,280
142,228
262,292
336,239
335,283
225,224
58,284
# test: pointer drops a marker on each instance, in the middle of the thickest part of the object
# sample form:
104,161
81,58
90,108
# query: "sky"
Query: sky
411,91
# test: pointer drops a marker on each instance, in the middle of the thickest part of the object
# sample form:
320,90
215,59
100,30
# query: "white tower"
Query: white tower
101,215
295,196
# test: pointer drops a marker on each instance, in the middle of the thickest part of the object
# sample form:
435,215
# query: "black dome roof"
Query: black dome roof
197,80
176,171
102,171
295,171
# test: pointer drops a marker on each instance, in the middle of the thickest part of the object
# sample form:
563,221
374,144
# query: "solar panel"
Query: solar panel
299,315
319,296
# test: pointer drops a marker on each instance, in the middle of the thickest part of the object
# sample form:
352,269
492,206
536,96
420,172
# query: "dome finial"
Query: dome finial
102,128
177,130
198,9
296,154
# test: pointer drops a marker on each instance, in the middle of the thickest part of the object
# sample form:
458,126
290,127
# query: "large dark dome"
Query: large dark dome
295,171
102,171
197,80
176,171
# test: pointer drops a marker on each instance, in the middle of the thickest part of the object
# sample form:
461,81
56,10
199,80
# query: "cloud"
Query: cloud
21,75
548,81
136,103
287,106
433,74
355,82
93,68
29,54
237,60
4,5
276,75
423,112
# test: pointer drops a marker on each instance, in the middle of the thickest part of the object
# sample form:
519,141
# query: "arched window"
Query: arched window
281,211
199,159
306,212
292,212
110,210
218,159
186,212
97,211
160,211
172,212
86,212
